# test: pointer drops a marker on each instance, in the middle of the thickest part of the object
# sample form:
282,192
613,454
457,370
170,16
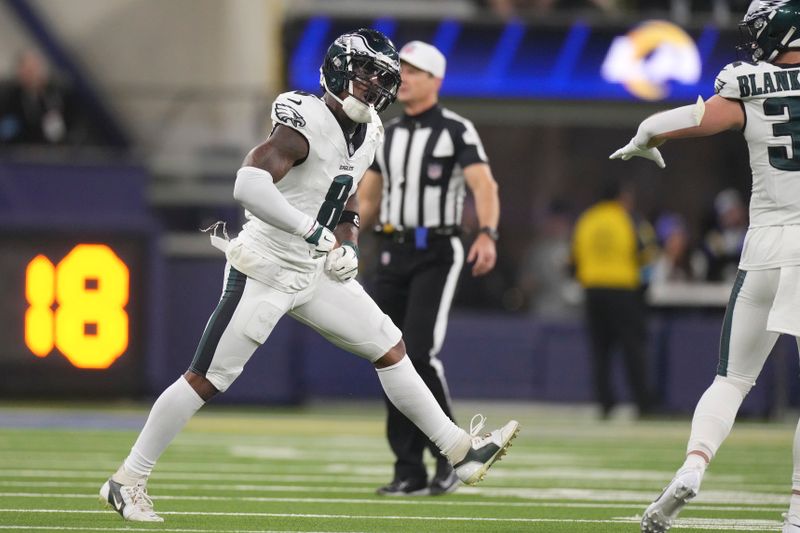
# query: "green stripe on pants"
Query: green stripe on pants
218,322
725,337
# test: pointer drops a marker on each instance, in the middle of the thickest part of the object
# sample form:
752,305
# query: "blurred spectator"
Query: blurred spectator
544,276
35,107
609,252
676,262
723,243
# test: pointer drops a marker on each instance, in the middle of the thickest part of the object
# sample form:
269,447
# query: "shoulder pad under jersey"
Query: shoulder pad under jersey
727,82
300,111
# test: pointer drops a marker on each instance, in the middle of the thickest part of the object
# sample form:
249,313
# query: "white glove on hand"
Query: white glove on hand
342,263
634,150
321,240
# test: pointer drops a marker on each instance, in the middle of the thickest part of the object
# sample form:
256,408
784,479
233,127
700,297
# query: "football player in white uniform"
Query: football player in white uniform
760,97
297,254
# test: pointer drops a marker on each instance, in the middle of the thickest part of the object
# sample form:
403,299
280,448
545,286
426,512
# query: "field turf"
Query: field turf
316,468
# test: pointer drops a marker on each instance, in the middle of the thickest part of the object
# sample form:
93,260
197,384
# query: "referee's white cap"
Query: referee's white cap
425,57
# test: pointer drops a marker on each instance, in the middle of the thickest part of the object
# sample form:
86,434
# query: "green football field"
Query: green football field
316,469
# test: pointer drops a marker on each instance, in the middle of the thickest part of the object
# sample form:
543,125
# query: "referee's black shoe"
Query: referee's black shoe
445,481
404,487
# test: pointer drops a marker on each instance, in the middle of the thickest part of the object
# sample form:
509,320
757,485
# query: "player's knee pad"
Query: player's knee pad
389,336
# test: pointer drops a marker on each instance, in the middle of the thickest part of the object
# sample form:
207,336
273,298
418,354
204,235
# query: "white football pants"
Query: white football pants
248,311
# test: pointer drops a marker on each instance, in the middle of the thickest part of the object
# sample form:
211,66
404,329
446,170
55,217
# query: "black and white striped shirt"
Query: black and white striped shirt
422,161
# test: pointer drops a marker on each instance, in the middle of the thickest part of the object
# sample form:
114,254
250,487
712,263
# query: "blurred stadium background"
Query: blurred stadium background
166,97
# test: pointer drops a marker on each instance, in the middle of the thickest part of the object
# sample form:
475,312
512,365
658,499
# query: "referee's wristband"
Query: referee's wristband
491,232
350,217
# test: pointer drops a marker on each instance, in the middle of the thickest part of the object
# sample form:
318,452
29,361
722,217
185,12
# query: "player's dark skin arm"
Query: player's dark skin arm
347,231
277,155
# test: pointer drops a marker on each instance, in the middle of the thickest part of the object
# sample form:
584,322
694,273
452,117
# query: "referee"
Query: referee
416,189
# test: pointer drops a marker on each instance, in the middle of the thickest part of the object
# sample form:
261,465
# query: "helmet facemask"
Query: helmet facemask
357,65
379,83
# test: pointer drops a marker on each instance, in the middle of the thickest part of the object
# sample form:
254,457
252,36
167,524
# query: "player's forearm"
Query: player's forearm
349,223
657,128
256,192
346,232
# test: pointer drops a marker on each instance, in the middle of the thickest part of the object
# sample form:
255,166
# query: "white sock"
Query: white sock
715,414
693,462
406,390
169,414
794,504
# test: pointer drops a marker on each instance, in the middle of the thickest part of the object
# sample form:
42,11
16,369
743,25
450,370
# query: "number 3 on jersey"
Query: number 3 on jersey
779,155
332,207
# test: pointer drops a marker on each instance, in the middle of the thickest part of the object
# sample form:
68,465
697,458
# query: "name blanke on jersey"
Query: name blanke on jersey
335,165
770,98
756,84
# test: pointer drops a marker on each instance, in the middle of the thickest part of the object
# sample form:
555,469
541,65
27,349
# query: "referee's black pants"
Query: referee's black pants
415,288
616,318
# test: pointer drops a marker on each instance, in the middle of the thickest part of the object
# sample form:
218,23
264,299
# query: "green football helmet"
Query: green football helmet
769,28
367,57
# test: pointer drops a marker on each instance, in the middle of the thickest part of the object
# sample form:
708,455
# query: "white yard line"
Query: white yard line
337,516
399,501
717,524
710,524
127,528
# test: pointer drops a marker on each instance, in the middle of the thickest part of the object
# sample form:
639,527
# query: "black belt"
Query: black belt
412,234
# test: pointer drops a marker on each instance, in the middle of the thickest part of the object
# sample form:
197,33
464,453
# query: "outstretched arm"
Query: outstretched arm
698,120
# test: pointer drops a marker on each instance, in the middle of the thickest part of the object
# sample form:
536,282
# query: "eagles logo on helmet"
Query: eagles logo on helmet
369,58
769,28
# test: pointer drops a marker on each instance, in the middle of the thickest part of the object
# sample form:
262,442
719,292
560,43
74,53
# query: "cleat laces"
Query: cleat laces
476,425
140,499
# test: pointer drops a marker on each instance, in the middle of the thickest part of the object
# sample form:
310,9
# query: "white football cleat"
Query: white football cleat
659,515
484,450
791,523
130,501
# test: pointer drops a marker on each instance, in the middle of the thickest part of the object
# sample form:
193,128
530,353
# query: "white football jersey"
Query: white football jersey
332,169
770,97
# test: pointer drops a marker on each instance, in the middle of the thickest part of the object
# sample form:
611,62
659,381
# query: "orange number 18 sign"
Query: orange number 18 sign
78,306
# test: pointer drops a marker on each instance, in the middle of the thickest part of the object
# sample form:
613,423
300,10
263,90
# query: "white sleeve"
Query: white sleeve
256,191
688,116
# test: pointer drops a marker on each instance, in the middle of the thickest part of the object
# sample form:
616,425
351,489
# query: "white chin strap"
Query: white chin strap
357,110
354,108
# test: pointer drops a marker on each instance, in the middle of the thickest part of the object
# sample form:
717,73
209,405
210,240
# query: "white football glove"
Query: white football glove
634,150
342,263
321,240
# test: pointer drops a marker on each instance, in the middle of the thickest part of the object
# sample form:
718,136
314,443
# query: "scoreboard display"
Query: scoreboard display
70,323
